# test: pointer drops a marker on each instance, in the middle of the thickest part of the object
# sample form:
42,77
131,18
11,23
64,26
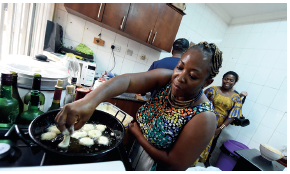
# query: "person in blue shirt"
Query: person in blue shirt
180,46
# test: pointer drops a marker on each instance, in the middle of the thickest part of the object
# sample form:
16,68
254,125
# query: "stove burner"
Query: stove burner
4,150
9,153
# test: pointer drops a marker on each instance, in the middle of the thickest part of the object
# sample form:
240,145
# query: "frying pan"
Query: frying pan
42,122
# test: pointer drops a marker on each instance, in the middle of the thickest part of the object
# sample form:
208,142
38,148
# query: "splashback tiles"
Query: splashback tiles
75,28
109,38
91,31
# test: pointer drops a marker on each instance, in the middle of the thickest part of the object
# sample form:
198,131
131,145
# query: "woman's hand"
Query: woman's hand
243,94
79,111
217,131
135,129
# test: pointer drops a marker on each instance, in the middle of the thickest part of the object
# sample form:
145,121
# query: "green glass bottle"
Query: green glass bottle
33,109
15,93
9,107
57,95
36,83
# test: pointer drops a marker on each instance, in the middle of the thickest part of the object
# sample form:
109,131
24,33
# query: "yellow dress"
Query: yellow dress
224,107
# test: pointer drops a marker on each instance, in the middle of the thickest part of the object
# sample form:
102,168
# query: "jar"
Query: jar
81,92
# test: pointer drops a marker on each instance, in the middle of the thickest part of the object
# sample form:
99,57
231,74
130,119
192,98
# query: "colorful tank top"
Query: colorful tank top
161,124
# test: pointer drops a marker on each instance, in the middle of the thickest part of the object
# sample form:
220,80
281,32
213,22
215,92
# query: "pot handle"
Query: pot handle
122,113
20,134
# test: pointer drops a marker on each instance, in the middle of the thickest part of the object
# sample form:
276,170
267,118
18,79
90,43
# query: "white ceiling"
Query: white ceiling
234,13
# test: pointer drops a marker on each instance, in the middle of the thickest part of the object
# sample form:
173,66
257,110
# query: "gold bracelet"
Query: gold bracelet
222,126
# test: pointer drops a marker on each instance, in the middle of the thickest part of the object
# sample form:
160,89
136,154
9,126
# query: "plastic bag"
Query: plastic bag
73,66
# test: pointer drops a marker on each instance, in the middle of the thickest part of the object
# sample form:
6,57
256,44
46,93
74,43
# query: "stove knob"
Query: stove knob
5,150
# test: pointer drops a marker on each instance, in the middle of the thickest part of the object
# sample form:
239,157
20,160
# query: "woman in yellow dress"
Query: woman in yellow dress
227,105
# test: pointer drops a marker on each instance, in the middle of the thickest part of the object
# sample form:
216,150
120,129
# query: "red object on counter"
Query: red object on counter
81,92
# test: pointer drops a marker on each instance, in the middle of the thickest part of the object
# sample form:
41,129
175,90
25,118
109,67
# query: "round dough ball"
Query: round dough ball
88,127
48,136
94,133
79,134
103,140
86,141
101,127
54,129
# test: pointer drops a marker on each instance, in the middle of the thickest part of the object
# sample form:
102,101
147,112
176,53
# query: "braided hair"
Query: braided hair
212,51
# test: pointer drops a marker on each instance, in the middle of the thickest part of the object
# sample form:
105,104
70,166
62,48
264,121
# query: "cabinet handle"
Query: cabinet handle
100,10
121,26
149,35
154,37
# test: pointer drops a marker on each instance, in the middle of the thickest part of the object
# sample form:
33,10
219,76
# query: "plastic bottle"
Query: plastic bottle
69,95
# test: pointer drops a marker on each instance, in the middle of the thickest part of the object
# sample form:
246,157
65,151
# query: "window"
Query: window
22,27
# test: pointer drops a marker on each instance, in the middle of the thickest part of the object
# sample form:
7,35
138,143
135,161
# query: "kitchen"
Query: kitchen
256,38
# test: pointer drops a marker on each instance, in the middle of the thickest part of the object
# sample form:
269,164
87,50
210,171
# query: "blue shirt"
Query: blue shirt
167,63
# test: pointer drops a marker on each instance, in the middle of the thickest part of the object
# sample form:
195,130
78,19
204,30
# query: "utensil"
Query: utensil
42,122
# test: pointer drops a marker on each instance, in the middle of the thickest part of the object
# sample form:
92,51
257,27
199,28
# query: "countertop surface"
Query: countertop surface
254,157
130,97
99,166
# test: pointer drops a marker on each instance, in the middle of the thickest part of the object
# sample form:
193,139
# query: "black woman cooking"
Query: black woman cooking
175,126
227,104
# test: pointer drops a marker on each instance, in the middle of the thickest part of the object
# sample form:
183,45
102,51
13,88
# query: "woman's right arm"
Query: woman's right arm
81,110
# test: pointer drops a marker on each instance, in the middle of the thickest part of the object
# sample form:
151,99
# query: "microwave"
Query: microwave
87,73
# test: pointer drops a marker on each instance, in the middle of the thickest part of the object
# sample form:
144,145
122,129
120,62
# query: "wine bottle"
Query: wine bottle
9,107
15,93
57,95
69,95
36,83
33,109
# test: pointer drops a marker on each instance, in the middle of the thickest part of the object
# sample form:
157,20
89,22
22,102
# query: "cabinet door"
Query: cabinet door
92,10
115,15
141,20
166,28
130,107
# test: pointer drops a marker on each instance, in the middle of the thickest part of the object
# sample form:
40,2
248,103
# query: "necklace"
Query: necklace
182,104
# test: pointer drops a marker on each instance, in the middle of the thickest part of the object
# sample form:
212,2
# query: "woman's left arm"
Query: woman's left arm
191,142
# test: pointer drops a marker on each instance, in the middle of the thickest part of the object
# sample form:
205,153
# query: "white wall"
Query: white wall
257,52
78,30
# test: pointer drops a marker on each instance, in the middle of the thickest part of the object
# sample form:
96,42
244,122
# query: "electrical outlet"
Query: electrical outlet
142,57
117,47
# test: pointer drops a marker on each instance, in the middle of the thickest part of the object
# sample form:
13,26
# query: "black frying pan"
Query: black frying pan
42,122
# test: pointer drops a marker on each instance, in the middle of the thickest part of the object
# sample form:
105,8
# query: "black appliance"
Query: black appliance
24,152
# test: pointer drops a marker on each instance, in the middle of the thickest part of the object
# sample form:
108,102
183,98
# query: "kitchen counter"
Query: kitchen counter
251,160
129,96
100,166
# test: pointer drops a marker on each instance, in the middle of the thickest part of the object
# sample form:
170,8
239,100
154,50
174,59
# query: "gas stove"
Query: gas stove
21,151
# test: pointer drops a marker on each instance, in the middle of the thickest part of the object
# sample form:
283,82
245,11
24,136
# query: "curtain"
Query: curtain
22,27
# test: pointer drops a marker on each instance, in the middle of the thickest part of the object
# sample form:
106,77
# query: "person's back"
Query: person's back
167,63
180,46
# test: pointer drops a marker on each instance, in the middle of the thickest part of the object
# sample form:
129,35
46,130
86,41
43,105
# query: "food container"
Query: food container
26,66
81,92
270,153
112,109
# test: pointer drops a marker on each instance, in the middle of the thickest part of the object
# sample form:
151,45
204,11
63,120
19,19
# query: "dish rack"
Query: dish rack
115,111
